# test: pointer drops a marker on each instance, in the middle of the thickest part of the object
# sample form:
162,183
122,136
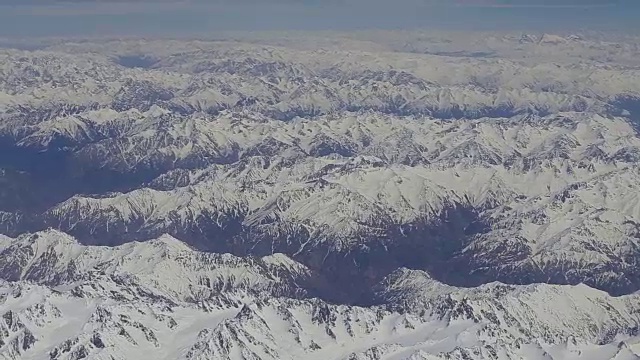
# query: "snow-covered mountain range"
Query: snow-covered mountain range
394,195
161,299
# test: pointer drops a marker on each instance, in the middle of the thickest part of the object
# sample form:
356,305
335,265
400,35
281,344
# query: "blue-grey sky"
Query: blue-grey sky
183,17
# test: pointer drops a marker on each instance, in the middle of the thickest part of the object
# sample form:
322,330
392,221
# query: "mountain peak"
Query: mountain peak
169,242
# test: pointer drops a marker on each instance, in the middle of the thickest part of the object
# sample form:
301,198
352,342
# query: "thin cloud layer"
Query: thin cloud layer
180,17
537,3
134,5
474,3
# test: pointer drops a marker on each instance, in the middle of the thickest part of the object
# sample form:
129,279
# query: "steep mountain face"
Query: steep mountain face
358,199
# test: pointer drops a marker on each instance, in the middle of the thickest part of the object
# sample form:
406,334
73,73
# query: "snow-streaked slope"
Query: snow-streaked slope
165,264
112,309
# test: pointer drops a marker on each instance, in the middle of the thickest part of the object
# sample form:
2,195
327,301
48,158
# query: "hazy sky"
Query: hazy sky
167,17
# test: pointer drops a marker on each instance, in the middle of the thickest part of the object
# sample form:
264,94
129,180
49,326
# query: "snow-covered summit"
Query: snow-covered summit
166,264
